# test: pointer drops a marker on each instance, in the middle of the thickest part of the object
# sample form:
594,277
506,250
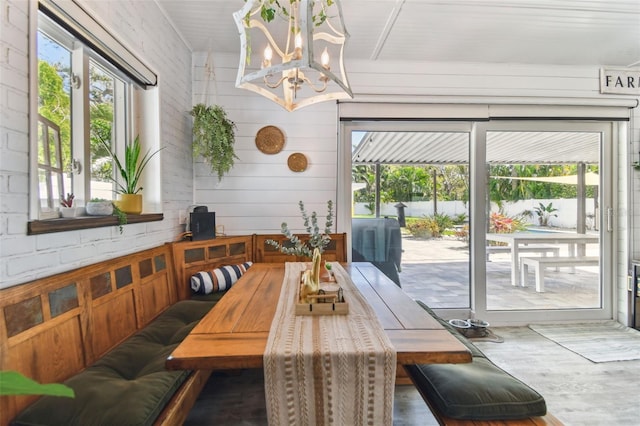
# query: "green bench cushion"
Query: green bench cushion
211,297
476,391
127,386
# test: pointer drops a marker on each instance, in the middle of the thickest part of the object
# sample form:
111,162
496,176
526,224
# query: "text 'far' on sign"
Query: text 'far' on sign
621,81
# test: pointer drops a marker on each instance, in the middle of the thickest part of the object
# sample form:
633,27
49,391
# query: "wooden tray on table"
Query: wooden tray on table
330,301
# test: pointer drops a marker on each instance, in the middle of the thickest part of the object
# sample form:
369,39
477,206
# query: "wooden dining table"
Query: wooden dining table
234,332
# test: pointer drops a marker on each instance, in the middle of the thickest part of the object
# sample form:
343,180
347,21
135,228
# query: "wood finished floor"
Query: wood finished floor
577,391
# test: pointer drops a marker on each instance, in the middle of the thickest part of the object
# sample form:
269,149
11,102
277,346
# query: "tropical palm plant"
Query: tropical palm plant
545,213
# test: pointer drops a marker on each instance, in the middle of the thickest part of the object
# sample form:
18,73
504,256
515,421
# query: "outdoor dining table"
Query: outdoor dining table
234,333
517,239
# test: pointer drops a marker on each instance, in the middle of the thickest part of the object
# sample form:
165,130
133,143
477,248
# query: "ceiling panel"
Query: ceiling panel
563,32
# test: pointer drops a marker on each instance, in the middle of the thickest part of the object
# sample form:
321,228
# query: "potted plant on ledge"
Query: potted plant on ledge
67,209
130,171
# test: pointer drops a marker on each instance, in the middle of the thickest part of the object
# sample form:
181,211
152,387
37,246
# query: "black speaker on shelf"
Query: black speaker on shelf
203,225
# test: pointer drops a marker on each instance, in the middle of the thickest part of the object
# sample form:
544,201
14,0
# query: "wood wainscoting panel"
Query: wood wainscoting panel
54,327
155,295
113,321
45,356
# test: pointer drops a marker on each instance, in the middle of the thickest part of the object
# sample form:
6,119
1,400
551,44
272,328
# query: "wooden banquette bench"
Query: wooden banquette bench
107,328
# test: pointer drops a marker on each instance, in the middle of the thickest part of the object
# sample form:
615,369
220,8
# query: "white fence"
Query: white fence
565,216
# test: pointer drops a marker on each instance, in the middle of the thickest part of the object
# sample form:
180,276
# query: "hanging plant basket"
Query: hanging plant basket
214,137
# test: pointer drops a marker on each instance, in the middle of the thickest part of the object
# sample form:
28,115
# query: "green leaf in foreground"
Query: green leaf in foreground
14,383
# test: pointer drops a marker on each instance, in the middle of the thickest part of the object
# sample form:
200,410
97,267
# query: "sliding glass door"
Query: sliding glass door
410,207
545,233
507,219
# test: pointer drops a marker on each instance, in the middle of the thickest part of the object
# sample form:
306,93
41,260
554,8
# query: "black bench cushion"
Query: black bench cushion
129,385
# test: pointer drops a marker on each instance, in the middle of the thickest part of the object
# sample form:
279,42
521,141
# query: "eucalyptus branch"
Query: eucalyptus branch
316,238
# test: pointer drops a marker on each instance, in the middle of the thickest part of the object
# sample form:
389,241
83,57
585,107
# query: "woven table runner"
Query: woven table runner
328,369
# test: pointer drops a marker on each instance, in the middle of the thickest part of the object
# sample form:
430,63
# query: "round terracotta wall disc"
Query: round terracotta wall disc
297,162
270,140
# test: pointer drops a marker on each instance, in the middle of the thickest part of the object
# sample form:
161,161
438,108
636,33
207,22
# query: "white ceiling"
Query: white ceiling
561,32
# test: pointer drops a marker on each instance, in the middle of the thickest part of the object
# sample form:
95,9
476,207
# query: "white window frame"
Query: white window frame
136,110
123,106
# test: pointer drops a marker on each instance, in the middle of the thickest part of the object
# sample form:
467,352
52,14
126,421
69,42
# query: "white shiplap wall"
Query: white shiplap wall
261,192
144,29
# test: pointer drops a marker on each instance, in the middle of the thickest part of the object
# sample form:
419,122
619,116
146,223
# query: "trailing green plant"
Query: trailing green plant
119,214
214,137
132,168
122,217
317,239
269,9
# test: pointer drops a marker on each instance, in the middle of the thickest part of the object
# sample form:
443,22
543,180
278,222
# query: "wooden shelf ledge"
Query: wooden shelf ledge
37,227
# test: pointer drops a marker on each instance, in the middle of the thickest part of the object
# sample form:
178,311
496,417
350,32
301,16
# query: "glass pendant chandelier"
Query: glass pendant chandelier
302,46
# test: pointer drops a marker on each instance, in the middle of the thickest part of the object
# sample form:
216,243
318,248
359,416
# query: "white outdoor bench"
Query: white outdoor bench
533,248
540,263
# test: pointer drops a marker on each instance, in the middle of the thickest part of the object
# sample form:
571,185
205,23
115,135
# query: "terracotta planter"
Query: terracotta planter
130,203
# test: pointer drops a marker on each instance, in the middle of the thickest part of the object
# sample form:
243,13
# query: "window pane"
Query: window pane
54,153
42,148
542,236
54,107
422,178
101,94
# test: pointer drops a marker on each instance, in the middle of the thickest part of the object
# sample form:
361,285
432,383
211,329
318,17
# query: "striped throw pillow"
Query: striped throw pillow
220,279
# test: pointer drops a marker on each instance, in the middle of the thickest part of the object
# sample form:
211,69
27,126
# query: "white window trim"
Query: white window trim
147,127
70,14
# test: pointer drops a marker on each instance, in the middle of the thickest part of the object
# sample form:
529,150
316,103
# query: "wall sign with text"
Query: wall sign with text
622,81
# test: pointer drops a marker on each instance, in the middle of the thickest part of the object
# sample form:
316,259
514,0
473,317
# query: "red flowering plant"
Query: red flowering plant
503,224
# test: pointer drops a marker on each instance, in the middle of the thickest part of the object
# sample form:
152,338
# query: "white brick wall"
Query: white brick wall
145,30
